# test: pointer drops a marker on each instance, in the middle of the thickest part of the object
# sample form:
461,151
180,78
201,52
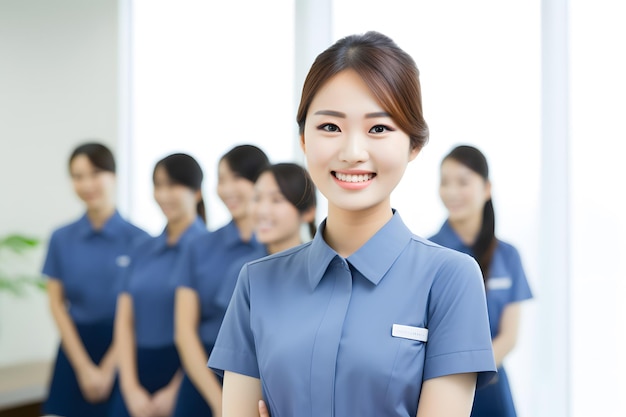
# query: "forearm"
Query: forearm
501,348
109,361
194,359
125,346
70,339
506,339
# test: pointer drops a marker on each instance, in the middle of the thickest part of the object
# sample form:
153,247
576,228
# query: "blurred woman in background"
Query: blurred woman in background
206,275
85,265
465,190
150,372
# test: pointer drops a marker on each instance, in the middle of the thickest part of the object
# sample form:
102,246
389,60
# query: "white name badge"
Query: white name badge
409,332
123,261
499,283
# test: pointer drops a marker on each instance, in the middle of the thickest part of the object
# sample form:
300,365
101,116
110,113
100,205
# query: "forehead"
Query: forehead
452,167
345,91
266,182
81,162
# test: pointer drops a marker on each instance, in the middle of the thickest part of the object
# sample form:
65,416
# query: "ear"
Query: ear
198,195
302,144
308,216
487,190
414,152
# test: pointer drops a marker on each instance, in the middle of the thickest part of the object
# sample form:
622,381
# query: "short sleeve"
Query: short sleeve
520,288
182,273
459,340
234,348
52,264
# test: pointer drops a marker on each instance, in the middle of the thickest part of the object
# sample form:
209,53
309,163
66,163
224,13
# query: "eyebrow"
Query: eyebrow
343,115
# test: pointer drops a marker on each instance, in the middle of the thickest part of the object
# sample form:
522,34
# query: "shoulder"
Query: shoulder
446,266
134,231
67,230
297,252
290,258
507,250
438,252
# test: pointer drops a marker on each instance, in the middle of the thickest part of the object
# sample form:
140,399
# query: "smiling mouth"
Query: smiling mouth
353,178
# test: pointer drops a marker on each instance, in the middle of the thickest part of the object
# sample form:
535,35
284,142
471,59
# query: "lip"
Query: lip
353,186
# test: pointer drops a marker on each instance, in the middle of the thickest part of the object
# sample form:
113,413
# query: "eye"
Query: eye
329,127
380,129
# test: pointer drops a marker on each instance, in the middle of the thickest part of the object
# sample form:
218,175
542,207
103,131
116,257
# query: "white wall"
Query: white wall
218,77
58,86
598,224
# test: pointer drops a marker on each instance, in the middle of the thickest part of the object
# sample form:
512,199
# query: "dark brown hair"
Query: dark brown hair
388,71
183,169
486,242
99,155
246,161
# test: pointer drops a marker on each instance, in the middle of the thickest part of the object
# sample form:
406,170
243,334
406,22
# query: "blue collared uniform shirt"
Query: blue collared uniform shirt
91,265
210,266
507,282
316,328
152,288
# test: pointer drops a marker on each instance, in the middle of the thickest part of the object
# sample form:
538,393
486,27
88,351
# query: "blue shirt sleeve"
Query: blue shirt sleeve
521,290
234,348
459,340
182,273
52,264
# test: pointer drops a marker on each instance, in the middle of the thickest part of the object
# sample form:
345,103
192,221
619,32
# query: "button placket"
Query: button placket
326,348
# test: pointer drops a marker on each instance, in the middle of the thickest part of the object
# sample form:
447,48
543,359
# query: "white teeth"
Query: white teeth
353,178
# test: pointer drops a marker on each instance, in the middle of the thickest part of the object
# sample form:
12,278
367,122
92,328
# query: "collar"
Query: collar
453,241
112,227
195,229
231,237
372,260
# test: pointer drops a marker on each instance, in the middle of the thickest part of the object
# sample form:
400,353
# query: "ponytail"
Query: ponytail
201,209
312,228
486,242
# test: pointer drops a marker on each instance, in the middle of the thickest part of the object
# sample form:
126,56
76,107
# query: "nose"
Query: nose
354,148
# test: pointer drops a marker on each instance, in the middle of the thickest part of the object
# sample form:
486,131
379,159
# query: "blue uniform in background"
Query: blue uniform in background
210,266
506,284
149,283
356,336
90,264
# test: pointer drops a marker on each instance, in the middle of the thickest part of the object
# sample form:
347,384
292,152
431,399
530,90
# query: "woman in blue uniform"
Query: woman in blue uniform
205,277
465,190
150,372
367,319
85,264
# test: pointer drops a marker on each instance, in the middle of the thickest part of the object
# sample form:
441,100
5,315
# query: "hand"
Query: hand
216,412
139,402
164,401
108,375
263,411
94,384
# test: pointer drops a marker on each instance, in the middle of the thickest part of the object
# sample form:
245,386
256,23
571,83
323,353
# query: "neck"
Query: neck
467,229
176,228
284,244
245,227
99,216
346,231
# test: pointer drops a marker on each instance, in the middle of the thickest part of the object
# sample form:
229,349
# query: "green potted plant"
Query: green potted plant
14,254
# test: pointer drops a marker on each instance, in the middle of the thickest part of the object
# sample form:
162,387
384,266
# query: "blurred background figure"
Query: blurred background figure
85,264
150,372
465,190
284,200
205,277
